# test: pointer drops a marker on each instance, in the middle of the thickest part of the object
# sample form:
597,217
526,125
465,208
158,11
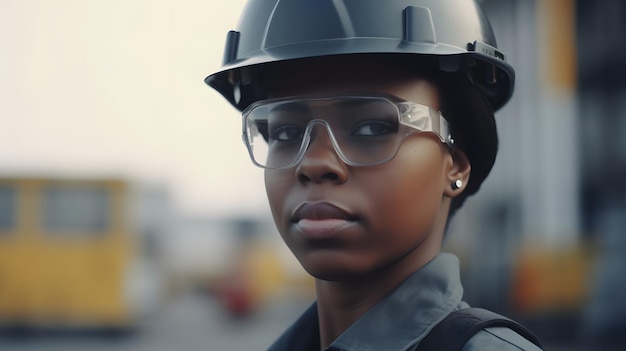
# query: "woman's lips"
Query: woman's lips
321,220
321,228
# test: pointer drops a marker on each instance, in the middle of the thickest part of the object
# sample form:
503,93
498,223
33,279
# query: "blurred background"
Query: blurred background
132,219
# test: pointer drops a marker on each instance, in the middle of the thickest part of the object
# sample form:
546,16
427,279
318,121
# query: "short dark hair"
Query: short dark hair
473,127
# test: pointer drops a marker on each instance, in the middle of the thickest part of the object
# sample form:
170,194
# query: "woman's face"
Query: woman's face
344,222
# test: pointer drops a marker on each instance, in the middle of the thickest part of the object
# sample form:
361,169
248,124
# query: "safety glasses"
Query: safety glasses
364,130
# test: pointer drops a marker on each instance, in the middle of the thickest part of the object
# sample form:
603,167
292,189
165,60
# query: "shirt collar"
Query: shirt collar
397,322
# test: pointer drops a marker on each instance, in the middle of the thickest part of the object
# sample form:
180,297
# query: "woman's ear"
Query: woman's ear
458,174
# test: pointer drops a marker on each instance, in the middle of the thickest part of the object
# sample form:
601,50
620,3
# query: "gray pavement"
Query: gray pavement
187,324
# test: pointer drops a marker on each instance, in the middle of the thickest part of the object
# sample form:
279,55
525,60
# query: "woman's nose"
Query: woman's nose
321,162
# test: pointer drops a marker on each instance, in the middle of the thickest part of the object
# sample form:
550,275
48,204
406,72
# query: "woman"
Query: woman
374,121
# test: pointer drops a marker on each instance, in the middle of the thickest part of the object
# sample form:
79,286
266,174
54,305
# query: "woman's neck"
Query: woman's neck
341,303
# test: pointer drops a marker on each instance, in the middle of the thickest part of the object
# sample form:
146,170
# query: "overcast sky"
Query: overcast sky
115,87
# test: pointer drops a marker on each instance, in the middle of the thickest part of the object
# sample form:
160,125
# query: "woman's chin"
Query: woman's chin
331,268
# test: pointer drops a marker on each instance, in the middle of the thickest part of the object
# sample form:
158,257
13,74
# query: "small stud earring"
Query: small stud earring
457,184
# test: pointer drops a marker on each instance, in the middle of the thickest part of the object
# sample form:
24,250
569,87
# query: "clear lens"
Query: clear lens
363,130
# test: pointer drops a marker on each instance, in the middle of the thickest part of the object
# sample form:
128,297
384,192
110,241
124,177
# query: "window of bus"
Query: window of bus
73,209
8,204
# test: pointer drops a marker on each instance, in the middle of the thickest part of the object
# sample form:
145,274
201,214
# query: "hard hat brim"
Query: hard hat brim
232,75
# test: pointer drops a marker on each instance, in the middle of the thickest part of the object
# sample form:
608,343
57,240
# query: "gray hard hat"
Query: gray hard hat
271,31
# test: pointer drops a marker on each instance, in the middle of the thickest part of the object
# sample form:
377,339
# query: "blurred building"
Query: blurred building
601,96
543,239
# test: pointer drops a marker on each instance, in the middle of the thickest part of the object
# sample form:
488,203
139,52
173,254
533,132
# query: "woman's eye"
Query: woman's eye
286,133
374,128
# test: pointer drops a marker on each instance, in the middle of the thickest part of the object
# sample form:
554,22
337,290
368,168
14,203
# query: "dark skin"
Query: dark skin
367,228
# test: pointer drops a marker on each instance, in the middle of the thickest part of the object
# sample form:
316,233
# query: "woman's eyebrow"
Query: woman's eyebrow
357,102
304,106
291,107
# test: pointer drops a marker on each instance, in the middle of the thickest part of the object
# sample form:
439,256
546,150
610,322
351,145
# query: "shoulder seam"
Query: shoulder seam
506,341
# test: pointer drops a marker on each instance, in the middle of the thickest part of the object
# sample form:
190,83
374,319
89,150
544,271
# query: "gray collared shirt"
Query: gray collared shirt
401,320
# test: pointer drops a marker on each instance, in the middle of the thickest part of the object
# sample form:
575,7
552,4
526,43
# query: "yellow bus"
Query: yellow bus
65,247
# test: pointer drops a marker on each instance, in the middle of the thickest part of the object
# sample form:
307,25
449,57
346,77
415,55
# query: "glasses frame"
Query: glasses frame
410,114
